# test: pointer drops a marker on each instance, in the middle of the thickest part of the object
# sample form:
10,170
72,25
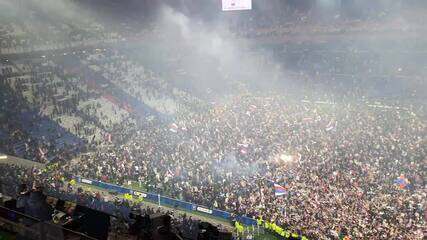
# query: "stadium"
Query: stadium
209,119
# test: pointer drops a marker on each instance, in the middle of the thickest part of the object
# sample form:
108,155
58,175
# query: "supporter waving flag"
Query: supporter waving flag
279,190
402,182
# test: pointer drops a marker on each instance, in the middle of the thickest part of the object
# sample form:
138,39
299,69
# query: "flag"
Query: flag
402,182
108,138
42,153
174,128
127,107
243,148
279,190
169,173
331,125
307,119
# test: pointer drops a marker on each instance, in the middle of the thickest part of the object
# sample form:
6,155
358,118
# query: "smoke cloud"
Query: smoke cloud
210,52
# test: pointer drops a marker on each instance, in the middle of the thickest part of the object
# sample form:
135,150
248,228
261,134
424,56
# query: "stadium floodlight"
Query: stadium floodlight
233,5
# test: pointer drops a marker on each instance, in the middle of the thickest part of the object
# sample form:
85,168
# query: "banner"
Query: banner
204,210
86,181
234,5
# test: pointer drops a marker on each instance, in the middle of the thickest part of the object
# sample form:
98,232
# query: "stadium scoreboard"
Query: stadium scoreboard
234,5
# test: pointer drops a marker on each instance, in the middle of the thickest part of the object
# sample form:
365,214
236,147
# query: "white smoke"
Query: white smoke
211,51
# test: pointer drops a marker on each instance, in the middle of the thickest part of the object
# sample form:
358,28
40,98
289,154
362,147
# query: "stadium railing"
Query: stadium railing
162,200
249,223
27,227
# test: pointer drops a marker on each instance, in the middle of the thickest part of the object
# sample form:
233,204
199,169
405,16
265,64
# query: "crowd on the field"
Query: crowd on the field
341,157
338,159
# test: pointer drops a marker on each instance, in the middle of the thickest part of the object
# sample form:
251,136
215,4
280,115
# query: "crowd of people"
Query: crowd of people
281,19
341,158
349,157
36,192
26,34
48,112
337,156
134,79
25,28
